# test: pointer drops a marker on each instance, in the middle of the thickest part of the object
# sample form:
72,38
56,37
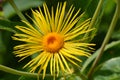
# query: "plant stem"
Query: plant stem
97,11
107,37
16,72
22,73
17,10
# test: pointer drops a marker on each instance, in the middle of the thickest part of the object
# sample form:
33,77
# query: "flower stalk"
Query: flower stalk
17,10
108,35
17,72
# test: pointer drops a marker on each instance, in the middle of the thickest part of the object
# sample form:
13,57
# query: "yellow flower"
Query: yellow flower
54,40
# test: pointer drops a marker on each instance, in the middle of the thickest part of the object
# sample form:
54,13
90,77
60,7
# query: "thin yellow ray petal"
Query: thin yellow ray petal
72,22
37,38
33,69
61,64
26,53
70,26
41,22
40,63
27,31
44,23
81,25
46,64
58,10
65,62
41,68
23,46
68,21
77,34
25,40
80,29
23,58
52,21
47,16
34,65
57,65
67,18
34,61
29,40
70,56
54,64
84,48
75,44
33,29
61,17
28,47
44,71
36,24
47,13
51,65
74,51
72,61
43,58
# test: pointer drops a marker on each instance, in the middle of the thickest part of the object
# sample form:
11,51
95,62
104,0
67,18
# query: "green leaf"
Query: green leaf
22,5
110,70
9,26
112,65
92,57
116,35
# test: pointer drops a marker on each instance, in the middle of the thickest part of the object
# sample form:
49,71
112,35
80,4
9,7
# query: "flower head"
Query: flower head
53,38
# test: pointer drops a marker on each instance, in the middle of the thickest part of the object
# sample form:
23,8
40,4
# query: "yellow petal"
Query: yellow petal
51,64
70,55
61,17
61,64
72,22
65,62
45,65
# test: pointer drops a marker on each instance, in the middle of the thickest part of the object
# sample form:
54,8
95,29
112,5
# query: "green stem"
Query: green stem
16,72
22,73
111,28
97,11
17,10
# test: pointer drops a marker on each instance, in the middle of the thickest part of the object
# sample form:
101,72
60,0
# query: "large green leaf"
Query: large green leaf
22,5
8,25
110,70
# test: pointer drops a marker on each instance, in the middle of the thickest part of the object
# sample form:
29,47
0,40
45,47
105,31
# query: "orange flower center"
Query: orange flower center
53,42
